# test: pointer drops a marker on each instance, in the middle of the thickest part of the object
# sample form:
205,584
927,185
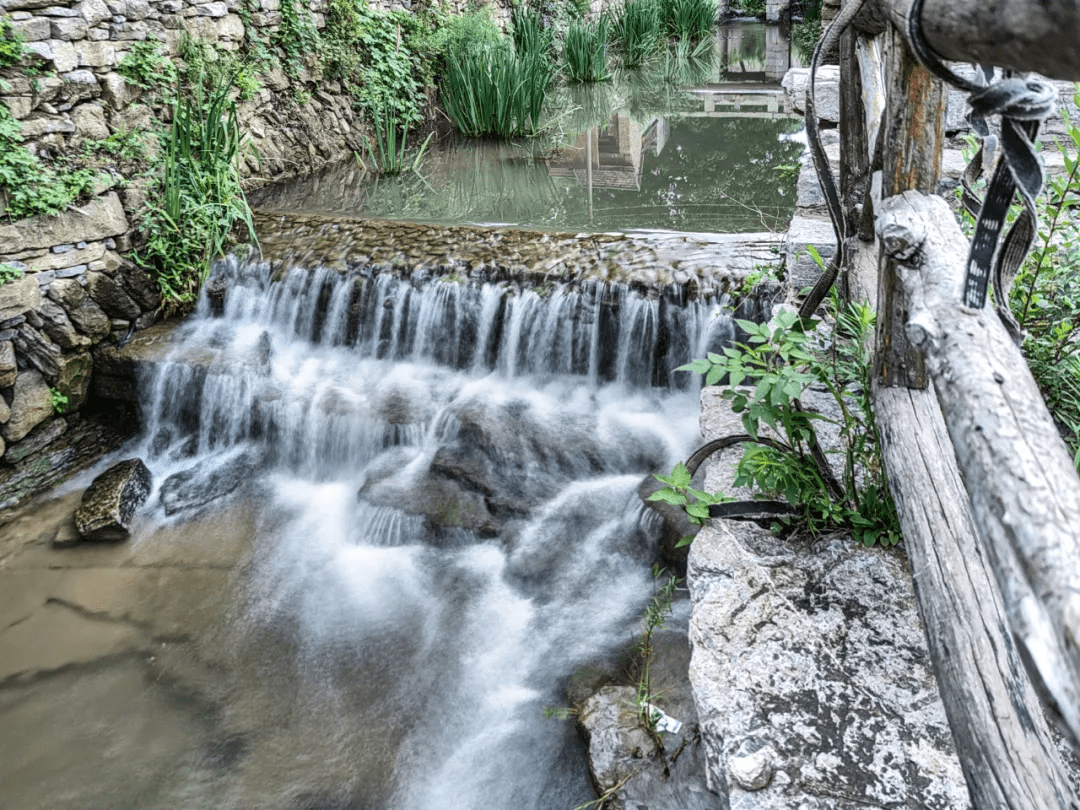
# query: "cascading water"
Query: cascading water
447,474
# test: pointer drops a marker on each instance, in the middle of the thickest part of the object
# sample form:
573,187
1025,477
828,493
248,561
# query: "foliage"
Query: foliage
201,198
471,31
638,31
146,67
585,51
496,91
804,36
208,65
11,44
782,361
366,51
748,8
31,188
124,145
1045,298
9,272
689,20
58,400
296,35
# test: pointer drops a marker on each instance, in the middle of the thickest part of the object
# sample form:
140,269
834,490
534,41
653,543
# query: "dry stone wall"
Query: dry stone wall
78,292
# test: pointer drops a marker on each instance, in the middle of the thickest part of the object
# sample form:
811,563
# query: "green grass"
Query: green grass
689,20
529,34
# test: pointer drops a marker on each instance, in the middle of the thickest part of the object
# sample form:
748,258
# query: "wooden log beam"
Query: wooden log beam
1024,491
1025,35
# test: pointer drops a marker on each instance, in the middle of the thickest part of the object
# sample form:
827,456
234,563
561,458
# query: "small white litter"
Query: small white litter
662,721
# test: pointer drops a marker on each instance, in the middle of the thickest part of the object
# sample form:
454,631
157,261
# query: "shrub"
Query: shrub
781,362
585,51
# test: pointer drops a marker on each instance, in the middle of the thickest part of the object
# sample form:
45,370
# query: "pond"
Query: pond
700,144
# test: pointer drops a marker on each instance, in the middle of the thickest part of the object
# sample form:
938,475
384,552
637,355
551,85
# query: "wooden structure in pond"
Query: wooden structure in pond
987,493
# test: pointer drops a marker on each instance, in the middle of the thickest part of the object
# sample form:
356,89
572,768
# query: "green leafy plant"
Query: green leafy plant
58,400
200,199
585,51
638,31
29,187
367,52
296,36
144,66
11,44
749,8
782,455
9,272
207,64
804,35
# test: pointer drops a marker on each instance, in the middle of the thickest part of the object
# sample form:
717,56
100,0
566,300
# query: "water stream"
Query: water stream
451,523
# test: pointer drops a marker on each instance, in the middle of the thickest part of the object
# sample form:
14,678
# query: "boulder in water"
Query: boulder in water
110,501
207,481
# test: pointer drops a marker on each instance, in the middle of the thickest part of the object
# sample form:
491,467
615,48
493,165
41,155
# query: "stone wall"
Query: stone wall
78,291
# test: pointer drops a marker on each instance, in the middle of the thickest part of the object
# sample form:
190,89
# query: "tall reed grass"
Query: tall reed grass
689,20
496,91
585,51
529,34
201,198
638,31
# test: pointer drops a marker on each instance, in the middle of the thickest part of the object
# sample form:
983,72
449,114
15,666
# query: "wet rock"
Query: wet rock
111,297
56,324
81,309
73,379
206,482
139,285
30,405
111,500
674,525
815,652
8,367
18,296
38,350
40,437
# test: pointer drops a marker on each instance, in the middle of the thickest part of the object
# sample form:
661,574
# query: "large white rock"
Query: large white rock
827,89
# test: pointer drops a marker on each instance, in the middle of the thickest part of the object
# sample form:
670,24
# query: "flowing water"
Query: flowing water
451,523
394,514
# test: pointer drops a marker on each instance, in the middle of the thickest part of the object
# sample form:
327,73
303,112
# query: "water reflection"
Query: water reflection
697,142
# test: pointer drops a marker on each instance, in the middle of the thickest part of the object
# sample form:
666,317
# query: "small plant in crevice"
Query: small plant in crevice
58,400
200,199
11,44
784,458
9,272
654,618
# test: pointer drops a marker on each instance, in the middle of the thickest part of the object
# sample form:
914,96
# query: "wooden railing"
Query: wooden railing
987,494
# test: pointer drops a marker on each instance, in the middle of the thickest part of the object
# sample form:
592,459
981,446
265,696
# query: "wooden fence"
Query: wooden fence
987,493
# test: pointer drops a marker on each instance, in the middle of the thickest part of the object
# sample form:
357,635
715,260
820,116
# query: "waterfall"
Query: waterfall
446,471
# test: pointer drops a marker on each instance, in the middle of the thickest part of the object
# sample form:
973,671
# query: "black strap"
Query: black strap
1023,104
